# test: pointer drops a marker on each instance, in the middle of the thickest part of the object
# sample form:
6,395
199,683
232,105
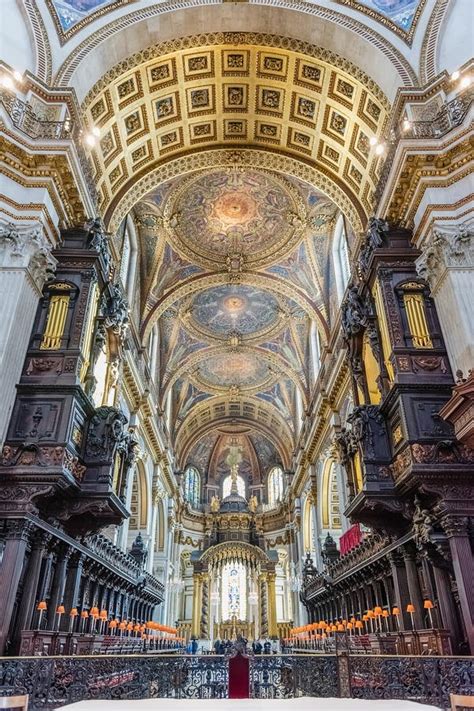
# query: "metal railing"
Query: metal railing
52,682
450,115
26,120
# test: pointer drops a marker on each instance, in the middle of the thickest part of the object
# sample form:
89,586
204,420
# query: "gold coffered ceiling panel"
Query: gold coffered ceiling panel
313,106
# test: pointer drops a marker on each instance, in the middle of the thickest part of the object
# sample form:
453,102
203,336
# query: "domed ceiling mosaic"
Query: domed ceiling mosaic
245,214
236,276
246,311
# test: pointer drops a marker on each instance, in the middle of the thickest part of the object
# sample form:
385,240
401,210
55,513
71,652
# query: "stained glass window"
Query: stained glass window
227,483
234,591
192,486
275,486
341,257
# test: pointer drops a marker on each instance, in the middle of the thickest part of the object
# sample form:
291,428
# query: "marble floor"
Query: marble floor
300,704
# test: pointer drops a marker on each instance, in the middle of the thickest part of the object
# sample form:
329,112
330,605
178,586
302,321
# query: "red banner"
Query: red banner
350,539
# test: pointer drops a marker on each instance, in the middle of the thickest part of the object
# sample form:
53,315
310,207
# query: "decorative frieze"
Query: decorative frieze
446,249
27,248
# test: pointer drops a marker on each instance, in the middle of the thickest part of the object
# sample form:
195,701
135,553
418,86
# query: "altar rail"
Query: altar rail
52,682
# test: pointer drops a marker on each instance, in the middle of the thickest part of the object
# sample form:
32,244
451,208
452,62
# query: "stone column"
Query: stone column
272,612
30,586
197,598
447,263
18,533
59,581
456,529
400,588
414,590
25,265
446,611
73,582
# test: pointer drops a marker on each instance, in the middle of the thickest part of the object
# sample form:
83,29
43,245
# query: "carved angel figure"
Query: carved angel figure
215,504
253,503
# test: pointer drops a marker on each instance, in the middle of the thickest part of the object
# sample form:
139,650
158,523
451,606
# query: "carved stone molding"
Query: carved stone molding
27,248
446,249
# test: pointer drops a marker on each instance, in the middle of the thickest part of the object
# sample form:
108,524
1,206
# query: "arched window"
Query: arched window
128,263
227,484
275,486
315,350
340,257
192,486
234,591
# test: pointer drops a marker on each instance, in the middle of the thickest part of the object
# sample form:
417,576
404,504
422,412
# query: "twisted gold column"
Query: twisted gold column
197,599
272,613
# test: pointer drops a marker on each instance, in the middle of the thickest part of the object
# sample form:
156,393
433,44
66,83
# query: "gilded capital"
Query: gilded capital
27,248
447,248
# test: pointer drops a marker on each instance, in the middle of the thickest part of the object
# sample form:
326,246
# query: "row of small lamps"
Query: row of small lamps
373,618
122,627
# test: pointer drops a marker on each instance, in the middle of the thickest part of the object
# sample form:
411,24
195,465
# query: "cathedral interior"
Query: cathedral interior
236,349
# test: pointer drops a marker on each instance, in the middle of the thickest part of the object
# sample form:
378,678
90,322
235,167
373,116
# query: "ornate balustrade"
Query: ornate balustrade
361,554
287,676
52,682
450,116
26,120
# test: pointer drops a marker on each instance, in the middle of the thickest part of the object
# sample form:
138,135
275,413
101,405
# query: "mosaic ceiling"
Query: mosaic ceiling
235,308
234,213
71,15
234,268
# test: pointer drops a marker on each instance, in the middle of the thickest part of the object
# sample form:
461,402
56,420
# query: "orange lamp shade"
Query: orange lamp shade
359,624
428,605
103,614
84,614
130,626
365,618
353,619
74,612
340,628
94,611
60,610
410,607
42,605
395,611
385,613
350,625
122,626
113,624
333,628
370,614
377,610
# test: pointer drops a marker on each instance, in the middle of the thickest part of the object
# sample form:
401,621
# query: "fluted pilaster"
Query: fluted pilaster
447,264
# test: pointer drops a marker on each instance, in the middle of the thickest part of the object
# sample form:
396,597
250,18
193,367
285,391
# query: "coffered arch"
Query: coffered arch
220,413
366,41
252,90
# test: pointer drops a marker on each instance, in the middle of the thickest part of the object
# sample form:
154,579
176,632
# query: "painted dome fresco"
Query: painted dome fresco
235,308
241,370
228,212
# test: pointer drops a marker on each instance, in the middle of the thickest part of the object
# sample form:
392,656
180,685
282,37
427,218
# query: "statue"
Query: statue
215,504
253,503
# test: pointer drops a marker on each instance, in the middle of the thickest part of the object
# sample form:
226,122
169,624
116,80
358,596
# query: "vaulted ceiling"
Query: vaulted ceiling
235,152
234,270
235,89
